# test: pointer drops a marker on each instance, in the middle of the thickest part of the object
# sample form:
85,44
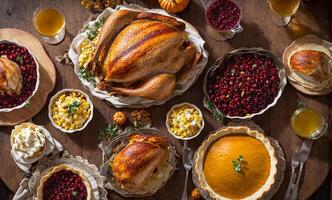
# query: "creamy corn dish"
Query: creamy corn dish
71,110
185,121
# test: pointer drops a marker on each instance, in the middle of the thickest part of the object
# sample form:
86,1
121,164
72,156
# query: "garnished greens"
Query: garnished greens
300,104
73,106
237,163
92,30
19,59
27,104
217,115
87,75
110,131
74,194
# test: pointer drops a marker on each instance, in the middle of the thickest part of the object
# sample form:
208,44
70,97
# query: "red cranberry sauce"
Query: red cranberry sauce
21,56
64,185
223,14
244,84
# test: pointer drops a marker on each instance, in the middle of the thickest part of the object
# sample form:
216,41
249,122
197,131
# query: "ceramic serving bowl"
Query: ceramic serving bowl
26,102
179,105
52,102
241,51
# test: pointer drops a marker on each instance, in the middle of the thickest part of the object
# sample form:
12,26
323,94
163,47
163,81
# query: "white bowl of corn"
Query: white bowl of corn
185,121
70,110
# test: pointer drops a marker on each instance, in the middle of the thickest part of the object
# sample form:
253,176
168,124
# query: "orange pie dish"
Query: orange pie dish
236,163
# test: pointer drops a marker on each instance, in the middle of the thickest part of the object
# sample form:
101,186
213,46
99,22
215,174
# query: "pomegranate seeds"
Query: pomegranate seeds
244,84
64,185
223,14
21,56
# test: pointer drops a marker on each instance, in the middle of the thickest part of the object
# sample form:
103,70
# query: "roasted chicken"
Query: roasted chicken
138,160
10,76
142,54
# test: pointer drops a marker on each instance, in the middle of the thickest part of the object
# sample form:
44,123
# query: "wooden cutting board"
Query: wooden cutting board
47,77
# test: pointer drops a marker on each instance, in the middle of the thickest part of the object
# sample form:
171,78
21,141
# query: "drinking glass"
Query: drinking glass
49,22
221,35
283,10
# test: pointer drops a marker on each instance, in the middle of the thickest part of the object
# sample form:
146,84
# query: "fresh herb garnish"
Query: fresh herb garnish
217,115
87,75
300,104
237,163
110,131
74,194
73,106
27,104
20,59
92,30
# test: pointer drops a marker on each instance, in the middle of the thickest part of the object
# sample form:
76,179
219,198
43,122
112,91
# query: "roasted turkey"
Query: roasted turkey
142,54
10,76
136,163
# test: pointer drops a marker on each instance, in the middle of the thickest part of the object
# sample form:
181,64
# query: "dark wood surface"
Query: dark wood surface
259,31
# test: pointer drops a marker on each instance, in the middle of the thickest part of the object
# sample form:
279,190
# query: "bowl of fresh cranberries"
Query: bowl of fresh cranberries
244,83
19,76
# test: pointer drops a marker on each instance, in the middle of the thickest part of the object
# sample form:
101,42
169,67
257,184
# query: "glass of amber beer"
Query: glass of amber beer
49,22
283,10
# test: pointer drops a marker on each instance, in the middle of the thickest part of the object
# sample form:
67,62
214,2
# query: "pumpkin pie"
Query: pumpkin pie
64,182
236,163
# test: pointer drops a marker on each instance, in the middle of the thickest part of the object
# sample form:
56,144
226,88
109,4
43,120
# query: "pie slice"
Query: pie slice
236,163
64,182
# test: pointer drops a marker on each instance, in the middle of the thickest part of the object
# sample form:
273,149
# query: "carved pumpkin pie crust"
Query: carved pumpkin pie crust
217,158
69,185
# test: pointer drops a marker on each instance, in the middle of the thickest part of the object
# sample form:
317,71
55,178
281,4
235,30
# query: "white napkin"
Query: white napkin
52,146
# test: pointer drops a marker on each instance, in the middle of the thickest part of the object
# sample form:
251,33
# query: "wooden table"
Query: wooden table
259,31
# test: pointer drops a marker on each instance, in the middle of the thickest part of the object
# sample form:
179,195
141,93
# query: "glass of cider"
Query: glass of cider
49,22
308,123
283,10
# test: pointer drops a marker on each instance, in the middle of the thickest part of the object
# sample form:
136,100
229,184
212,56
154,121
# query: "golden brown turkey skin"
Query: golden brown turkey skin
142,54
136,162
10,76
146,48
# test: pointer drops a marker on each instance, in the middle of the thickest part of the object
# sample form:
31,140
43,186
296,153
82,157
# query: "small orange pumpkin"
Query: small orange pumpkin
173,6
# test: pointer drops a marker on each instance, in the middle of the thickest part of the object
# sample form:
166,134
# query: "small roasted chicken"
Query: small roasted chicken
134,166
142,54
10,76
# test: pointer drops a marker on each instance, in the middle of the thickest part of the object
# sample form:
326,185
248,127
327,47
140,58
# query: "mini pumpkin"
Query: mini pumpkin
119,118
195,194
173,6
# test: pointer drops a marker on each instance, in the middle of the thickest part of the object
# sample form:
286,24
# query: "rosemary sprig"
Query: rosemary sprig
217,115
110,131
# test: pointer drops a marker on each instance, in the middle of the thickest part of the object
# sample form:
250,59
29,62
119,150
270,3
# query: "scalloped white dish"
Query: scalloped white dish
26,102
52,102
281,72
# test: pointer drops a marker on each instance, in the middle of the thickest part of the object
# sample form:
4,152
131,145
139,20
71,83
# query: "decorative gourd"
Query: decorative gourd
173,6
119,118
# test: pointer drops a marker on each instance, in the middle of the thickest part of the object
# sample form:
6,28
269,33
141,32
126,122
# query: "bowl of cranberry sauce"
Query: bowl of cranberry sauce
223,15
244,83
29,72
